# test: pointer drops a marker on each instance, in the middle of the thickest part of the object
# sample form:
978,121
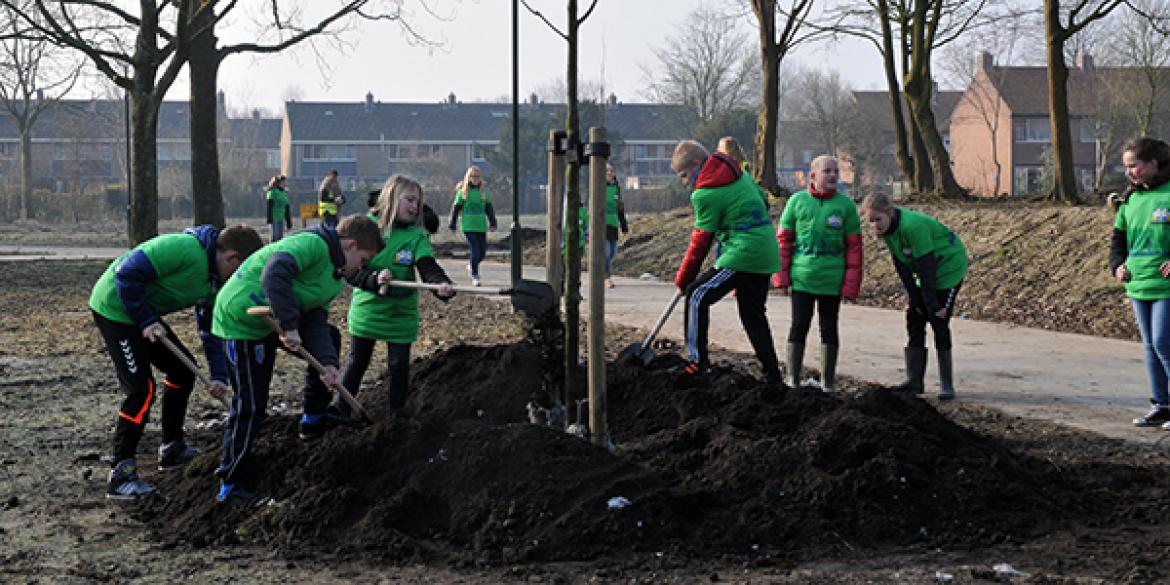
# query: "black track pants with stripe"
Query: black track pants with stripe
751,297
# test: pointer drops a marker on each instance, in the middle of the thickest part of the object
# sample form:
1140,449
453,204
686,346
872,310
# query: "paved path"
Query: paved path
1088,382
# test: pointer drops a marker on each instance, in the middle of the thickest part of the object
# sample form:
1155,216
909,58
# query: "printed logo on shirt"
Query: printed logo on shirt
404,257
835,222
906,251
1161,216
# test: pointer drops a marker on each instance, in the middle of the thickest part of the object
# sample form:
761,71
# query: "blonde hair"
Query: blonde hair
465,184
730,146
387,207
879,202
688,152
274,182
819,162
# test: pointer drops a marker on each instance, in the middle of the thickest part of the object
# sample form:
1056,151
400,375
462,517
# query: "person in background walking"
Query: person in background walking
474,204
931,261
279,213
615,218
330,198
730,146
820,257
1139,256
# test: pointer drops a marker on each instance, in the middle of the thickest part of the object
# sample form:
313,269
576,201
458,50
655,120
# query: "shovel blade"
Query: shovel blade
533,297
630,353
646,356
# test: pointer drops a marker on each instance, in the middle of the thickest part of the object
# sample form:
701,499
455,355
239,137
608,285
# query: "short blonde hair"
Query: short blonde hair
879,202
730,146
688,152
819,162
387,207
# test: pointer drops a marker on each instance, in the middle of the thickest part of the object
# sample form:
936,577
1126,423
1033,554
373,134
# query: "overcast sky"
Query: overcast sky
474,60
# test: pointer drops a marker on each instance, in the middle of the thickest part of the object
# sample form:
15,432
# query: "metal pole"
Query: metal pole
516,250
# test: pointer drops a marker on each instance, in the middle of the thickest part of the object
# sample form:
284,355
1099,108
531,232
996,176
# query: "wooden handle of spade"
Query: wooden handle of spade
190,366
355,406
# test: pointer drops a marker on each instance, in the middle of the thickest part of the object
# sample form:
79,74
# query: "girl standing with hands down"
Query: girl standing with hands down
820,261
392,317
475,204
279,214
931,261
615,217
1139,256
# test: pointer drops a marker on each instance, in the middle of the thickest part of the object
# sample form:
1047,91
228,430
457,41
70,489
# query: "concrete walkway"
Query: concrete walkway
1087,382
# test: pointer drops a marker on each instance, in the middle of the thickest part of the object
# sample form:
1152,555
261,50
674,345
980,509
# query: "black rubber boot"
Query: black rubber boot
946,376
795,362
915,370
829,368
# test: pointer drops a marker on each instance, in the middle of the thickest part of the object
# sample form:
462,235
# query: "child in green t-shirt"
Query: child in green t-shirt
820,256
474,204
931,261
297,277
279,212
162,275
392,317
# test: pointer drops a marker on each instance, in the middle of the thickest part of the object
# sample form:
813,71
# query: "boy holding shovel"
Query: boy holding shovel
162,275
297,278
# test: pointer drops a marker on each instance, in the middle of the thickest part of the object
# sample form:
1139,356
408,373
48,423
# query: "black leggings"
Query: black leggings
828,308
917,318
361,350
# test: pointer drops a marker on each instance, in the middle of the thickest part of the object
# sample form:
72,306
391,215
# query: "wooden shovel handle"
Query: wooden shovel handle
474,290
190,365
266,314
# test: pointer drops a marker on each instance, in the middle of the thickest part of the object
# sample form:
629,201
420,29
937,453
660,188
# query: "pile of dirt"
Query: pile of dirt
1032,265
736,469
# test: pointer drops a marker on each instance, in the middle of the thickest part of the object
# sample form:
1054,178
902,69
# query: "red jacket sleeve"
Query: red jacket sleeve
693,259
786,239
852,283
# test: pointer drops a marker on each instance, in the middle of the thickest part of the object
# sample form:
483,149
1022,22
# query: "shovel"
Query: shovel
533,297
641,352
190,366
354,406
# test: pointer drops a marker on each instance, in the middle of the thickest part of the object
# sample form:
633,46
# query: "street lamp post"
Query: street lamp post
515,233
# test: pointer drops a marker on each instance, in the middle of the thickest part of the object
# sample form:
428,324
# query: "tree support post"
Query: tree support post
597,151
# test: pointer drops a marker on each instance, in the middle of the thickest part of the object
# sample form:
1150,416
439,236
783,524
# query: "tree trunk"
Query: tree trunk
144,165
1064,173
765,163
203,66
573,222
919,159
901,142
918,93
26,187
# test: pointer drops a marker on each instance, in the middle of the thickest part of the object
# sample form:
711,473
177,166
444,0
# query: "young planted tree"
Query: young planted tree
35,74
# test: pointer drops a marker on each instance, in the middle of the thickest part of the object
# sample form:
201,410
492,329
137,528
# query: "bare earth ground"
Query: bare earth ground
735,483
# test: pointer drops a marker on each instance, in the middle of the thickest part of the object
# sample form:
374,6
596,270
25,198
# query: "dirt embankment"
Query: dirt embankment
1031,265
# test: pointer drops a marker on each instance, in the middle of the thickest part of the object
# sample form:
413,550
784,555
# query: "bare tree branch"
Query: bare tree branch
541,16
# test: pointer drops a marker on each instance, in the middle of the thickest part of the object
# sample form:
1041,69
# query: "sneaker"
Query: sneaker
1157,416
231,495
123,483
175,455
313,427
609,283
475,281
692,375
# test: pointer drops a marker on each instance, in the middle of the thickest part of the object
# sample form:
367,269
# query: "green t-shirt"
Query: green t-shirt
314,286
279,199
613,199
1145,219
473,216
918,235
741,223
818,260
183,278
392,318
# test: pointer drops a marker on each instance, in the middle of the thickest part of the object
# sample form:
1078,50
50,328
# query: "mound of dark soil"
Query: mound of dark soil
733,469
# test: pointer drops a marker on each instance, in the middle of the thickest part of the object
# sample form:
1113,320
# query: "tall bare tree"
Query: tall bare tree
822,98
34,75
205,57
775,43
707,64
1061,25
146,70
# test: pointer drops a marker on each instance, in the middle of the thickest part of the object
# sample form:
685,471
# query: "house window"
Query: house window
331,152
397,152
1088,131
477,153
1026,180
9,150
272,158
1032,130
651,152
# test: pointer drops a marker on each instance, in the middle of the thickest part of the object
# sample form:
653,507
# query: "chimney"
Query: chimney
451,98
1085,62
255,113
986,62
369,101
612,99
533,99
40,95
220,101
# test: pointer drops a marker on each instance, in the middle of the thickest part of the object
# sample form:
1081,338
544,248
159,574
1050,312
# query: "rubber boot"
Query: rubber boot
829,368
915,370
795,362
946,376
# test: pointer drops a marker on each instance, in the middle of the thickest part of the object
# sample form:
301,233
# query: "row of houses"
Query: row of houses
997,130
